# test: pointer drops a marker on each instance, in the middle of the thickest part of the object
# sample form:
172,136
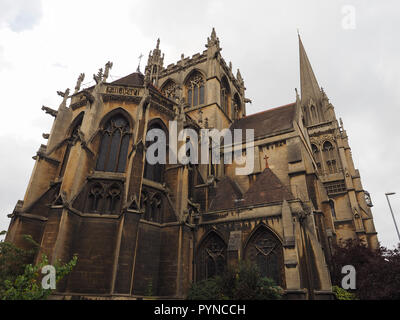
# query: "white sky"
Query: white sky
45,45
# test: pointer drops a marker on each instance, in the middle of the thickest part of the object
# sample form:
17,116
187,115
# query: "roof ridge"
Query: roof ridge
258,113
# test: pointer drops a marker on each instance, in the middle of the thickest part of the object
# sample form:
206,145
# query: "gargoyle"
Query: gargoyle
88,96
50,111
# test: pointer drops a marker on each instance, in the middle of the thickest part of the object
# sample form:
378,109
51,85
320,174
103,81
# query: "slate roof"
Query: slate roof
268,122
133,79
266,189
226,194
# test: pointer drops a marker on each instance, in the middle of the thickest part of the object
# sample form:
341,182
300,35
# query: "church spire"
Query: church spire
308,82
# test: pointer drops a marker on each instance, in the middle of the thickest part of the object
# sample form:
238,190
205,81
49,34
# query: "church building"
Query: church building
143,229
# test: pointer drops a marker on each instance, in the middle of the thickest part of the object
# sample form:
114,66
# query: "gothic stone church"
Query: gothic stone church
138,226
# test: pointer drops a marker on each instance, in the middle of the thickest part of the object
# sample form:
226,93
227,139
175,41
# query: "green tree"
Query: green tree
241,283
20,280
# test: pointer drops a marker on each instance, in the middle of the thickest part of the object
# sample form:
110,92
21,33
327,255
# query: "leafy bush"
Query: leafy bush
377,271
342,294
20,280
241,283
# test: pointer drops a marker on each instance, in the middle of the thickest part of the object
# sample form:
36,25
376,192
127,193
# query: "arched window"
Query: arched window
235,110
211,257
113,198
265,250
155,172
332,206
152,205
195,89
317,157
114,145
329,157
225,95
71,142
314,114
169,89
96,198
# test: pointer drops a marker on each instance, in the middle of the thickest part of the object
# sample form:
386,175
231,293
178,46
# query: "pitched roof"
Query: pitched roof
269,121
133,79
266,189
226,193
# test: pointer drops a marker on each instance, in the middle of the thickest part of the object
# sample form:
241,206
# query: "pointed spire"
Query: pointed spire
308,81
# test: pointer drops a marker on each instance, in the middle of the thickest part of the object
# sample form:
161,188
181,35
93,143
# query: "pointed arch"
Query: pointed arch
195,88
210,256
329,154
73,134
264,248
169,88
155,172
113,198
317,157
236,108
225,95
115,136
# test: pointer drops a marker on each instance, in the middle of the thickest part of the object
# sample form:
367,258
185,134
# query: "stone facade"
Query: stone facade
142,229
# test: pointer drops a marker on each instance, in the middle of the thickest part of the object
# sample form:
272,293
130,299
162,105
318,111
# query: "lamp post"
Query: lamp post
394,220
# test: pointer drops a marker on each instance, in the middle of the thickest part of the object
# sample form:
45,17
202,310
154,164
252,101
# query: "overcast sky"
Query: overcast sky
45,45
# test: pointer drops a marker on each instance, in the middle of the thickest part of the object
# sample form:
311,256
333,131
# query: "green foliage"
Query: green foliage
241,283
20,280
342,294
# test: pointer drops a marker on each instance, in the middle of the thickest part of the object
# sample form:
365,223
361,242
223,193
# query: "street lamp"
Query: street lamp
394,220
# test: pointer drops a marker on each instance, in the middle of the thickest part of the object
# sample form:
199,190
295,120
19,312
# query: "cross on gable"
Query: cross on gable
266,161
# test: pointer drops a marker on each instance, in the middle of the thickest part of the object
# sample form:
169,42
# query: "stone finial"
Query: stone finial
239,78
213,40
64,95
79,82
99,76
297,95
140,59
230,65
107,68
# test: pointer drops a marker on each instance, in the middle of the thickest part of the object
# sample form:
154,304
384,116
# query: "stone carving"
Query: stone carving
170,90
109,65
99,76
50,111
79,82
64,95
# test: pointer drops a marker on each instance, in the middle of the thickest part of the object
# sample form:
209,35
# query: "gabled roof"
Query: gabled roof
133,79
266,189
227,193
269,121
